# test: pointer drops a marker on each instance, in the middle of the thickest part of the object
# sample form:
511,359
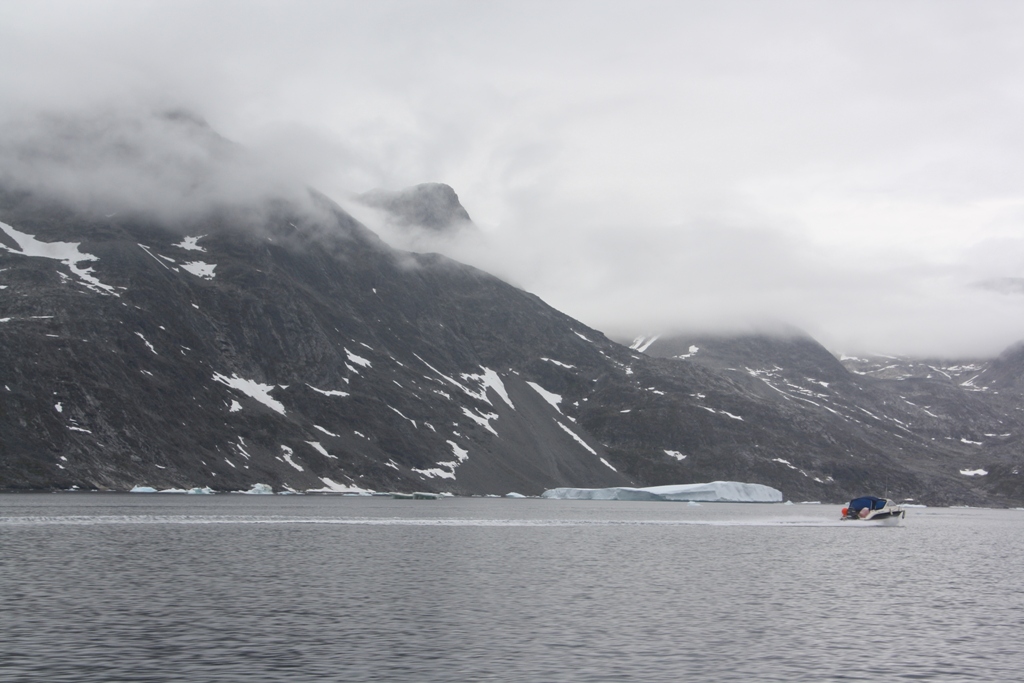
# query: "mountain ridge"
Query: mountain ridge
277,340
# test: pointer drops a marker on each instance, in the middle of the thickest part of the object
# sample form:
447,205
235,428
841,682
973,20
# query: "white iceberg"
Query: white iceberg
715,491
513,494
143,489
258,489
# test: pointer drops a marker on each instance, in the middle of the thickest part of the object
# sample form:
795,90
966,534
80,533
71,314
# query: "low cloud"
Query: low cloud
681,165
168,165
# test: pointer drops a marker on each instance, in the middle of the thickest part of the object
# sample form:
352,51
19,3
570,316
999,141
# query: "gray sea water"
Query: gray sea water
109,587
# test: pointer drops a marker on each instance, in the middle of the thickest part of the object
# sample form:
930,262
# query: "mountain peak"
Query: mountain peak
433,206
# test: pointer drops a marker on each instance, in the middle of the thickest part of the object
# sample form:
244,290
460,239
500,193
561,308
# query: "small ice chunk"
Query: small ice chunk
260,489
513,494
143,489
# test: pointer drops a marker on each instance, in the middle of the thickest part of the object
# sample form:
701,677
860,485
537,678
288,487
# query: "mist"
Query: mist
854,170
167,165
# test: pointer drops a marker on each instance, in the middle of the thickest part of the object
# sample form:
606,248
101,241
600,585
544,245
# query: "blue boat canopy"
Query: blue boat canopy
870,502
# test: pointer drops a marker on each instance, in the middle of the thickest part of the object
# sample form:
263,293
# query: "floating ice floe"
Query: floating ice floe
259,489
513,494
143,489
715,491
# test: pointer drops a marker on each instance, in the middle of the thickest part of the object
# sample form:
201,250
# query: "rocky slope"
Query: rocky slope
927,429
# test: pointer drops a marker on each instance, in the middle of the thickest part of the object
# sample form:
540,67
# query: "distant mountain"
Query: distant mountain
924,417
433,206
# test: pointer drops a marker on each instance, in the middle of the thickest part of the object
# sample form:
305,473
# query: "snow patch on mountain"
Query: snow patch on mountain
200,269
358,360
489,379
288,453
641,344
331,486
328,392
446,470
252,389
325,431
321,450
146,341
551,397
65,252
189,243
577,438
482,420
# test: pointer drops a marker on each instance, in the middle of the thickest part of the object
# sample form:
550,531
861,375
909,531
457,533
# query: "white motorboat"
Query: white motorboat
873,509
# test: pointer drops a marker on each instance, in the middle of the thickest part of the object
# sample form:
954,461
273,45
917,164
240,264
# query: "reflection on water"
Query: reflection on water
101,587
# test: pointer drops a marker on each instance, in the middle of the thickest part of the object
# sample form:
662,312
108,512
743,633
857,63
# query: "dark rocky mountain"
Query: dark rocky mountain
923,425
293,352
281,342
433,206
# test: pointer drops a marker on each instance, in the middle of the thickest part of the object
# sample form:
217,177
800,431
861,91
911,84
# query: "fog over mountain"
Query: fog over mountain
642,168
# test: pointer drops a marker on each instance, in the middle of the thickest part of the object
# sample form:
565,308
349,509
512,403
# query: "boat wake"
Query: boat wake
107,520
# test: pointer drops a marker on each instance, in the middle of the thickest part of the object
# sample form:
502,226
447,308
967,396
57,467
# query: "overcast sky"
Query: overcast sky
851,168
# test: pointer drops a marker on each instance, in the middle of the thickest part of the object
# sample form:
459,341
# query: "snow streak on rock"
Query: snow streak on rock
578,439
328,392
552,398
288,453
641,344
